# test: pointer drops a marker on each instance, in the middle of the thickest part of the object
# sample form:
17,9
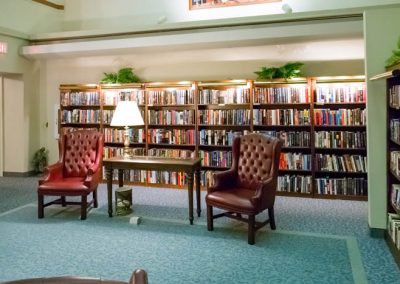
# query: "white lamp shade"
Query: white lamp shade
127,113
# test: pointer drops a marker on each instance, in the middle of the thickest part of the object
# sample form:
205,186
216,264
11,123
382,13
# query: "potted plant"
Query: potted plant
40,160
287,71
124,75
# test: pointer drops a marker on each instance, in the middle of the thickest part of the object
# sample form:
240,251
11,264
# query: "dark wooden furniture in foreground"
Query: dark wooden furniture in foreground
249,187
139,276
77,173
189,166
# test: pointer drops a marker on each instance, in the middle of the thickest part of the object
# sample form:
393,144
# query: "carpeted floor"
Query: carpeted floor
317,241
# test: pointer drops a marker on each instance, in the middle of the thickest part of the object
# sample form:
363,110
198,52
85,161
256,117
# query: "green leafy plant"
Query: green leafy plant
287,71
40,160
124,75
395,57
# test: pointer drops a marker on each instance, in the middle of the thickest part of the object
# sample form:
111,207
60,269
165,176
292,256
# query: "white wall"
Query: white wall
16,152
380,40
124,13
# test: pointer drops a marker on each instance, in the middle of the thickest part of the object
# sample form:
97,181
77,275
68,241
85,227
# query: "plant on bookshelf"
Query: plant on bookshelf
287,71
123,76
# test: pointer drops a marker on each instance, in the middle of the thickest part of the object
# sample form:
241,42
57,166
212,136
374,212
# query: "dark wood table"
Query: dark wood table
189,166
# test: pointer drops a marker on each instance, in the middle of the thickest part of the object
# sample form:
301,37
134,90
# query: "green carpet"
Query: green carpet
168,248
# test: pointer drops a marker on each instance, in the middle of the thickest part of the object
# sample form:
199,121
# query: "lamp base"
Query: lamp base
127,153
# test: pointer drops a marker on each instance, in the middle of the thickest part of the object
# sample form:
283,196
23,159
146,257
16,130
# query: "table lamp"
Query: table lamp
127,114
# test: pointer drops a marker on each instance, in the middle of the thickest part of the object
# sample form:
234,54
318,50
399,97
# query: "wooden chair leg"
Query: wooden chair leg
83,207
40,206
95,204
271,218
210,219
63,203
251,231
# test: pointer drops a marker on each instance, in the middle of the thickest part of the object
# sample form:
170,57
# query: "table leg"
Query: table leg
198,196
120,177
109,174
190,196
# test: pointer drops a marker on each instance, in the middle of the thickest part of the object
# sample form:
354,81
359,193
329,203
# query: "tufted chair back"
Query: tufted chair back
257,159
79,151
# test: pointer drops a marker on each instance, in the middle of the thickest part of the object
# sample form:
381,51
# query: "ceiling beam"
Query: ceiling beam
50,4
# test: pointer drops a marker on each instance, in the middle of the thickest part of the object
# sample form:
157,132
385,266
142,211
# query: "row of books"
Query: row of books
394,96
173,136
113,135
138,176
207,178
395,196
351,93
171,97
395,129
340,139
171,153
393,227
281,117
112,97
109,152
227,96
395,162
295,161
344,163
79,98
171,117
225,117
155,177
221,159
282,95
290,138
294,183
163,177
342,186
80,116
341,117
217,137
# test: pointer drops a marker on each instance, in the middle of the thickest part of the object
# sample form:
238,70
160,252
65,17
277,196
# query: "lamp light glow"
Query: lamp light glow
127,114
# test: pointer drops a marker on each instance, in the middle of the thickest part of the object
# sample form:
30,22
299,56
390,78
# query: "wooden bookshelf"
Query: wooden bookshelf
201,118
283,109
171,127
392,234
340,140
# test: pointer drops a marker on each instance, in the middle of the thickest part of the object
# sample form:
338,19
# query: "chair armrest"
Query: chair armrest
225,179
139,276
92,177
265,187
52,172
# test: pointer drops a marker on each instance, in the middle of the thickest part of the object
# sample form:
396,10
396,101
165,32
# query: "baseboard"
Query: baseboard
377,233
18,174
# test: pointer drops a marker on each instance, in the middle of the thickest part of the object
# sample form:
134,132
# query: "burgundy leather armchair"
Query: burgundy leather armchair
77,173
249,187
139,276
